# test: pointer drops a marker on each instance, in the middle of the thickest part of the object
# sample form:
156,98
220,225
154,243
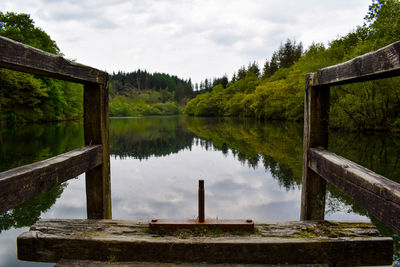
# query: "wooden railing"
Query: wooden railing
377,194
23,183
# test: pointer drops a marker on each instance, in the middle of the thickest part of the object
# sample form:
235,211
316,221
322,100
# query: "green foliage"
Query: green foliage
141,93
218,102
279,94
383,22
289,53
123,106
285,57
21,28
371,105
25,97
253,67
131,83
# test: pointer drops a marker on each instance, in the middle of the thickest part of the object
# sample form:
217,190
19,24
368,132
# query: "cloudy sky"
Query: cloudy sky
188,38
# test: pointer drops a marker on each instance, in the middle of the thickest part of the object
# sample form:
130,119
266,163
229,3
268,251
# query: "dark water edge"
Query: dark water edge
254,150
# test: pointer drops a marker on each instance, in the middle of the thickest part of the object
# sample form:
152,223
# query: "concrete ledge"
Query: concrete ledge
80,263
333,243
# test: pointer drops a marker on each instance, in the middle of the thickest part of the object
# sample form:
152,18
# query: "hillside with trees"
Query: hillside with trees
26,97
277,92
144,93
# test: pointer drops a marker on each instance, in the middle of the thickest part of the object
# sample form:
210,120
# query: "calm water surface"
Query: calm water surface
251,170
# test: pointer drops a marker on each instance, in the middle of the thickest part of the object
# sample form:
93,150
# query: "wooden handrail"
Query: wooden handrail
377,194
23,183
382,63
21,57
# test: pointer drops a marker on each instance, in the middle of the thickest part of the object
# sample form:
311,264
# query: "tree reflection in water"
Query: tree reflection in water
277,146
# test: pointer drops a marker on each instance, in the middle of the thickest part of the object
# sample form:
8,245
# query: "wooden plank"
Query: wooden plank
21,57
316,120
23,183
338,244
379,64
85,263
377,194
98,181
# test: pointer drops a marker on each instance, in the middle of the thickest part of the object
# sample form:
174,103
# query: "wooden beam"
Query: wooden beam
98,181
333,243
377,194
21,57
316,120
379,64
23,183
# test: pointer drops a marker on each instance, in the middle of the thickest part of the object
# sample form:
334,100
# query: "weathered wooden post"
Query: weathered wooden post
98,183
316,120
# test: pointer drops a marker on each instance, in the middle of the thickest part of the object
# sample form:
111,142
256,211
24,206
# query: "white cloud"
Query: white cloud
194,38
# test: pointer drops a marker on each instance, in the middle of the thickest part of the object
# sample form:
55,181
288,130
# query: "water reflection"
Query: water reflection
379,152
157,188
239,181
276,146
29,212
160,158
252,169
142,138
24,144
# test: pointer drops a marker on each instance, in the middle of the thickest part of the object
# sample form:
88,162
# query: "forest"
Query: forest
276,92
143,93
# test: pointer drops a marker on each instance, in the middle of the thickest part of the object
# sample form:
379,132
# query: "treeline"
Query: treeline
26,97
208,84
144,93
277,92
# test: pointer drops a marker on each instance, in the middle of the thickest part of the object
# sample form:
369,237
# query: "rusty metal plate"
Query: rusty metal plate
229,225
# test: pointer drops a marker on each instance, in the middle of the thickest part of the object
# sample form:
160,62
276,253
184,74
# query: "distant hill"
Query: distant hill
143,93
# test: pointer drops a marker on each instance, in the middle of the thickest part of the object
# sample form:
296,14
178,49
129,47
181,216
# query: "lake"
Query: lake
252,170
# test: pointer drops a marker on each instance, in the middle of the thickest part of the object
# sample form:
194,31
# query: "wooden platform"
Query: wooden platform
333,243
83,263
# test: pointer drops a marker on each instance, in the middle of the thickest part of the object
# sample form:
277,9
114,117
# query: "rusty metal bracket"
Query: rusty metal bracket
228,225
